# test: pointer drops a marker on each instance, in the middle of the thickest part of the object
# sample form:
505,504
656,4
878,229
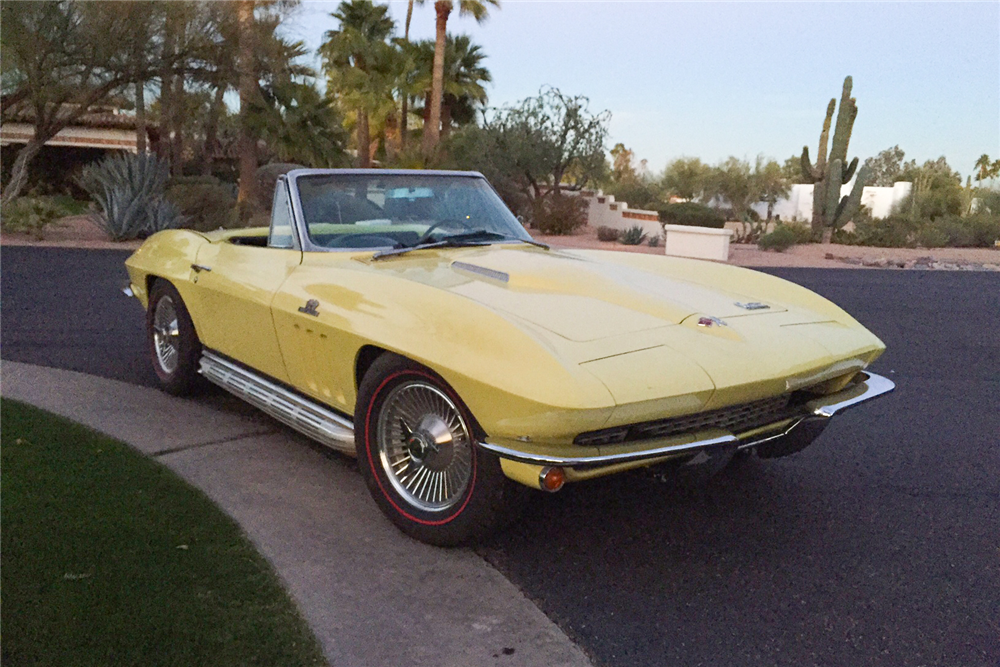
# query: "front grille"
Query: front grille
735,418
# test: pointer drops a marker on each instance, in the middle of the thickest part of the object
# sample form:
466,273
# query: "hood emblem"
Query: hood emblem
711,322
753,305
311,308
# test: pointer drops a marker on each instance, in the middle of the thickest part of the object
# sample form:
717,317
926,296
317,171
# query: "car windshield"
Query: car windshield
361,211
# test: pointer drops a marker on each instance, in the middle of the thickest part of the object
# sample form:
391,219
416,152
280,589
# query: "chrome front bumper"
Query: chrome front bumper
865,388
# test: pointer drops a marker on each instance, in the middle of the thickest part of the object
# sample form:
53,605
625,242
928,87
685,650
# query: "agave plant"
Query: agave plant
129,189
634,235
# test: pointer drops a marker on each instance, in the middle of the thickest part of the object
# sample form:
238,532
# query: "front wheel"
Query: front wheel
173,342
416,446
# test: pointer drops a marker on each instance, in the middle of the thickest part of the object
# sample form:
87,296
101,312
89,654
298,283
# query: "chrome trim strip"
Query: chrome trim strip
605,459
873,386
760,439
305,416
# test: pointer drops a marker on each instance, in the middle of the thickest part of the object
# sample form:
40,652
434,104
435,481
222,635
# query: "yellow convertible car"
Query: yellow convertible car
407,318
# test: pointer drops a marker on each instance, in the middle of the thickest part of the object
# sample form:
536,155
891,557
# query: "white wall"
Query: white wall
798,205
604,211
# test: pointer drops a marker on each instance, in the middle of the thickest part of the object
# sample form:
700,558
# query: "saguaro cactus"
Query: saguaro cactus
829,210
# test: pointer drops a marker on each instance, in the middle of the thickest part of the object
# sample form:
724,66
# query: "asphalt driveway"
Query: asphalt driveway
880,545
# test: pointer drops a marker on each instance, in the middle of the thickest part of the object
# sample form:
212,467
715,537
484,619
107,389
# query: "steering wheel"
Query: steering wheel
427,234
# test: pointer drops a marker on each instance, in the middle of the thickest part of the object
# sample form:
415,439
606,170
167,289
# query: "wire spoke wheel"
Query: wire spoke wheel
425,446
166,335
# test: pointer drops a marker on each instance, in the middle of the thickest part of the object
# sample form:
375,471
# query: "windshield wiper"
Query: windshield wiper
472,238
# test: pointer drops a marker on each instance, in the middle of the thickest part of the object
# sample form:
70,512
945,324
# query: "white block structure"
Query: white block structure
697,242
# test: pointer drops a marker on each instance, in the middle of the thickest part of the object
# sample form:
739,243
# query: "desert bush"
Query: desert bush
30,215
898,231
931,236
634,235
558,214
605,233
129,190
893,232
654,241
689,213
977,230
205,202
781,239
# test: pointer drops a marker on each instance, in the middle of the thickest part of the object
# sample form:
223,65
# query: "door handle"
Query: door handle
198,268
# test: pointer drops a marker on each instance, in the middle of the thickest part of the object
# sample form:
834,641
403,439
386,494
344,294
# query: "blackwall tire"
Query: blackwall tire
415,441
174,347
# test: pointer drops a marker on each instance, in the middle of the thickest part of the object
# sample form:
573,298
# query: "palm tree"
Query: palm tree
464,76
360,64
442,9
247,87
986,169
403,118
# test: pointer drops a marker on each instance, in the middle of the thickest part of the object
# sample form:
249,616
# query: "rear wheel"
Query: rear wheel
416,445
173,343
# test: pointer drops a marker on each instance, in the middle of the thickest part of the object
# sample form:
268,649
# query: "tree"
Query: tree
791,169
886,167
61,59
464,76
733,181
985,169
771,183
299,125
629,184
686,178
442,9
360,65
937,189
248,88
405,112
537,148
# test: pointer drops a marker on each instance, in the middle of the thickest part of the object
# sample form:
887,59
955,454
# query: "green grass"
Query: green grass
109,558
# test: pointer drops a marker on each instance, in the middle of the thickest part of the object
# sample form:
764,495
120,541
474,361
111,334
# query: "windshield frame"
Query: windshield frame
307,244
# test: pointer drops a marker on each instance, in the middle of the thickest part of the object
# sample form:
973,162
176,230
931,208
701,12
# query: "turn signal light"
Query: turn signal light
551,479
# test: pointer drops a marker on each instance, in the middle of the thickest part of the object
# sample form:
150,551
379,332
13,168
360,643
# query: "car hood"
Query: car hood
577,298
633,321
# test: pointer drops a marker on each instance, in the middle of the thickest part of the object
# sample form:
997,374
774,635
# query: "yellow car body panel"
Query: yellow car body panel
541,345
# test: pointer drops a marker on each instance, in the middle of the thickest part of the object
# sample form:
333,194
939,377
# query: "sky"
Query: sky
714,79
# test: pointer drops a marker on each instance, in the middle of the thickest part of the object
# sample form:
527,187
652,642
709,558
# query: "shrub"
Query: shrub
204,201
930,236
30,215
558,214
689,213
605,233
977,230
781,239
654,241
129,189
893,232
634,235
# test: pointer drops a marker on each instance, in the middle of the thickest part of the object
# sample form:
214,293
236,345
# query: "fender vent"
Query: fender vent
482,270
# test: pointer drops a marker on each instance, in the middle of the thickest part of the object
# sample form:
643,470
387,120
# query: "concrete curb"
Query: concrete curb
371,595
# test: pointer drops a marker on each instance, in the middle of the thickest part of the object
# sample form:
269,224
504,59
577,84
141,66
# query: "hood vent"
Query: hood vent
482,271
